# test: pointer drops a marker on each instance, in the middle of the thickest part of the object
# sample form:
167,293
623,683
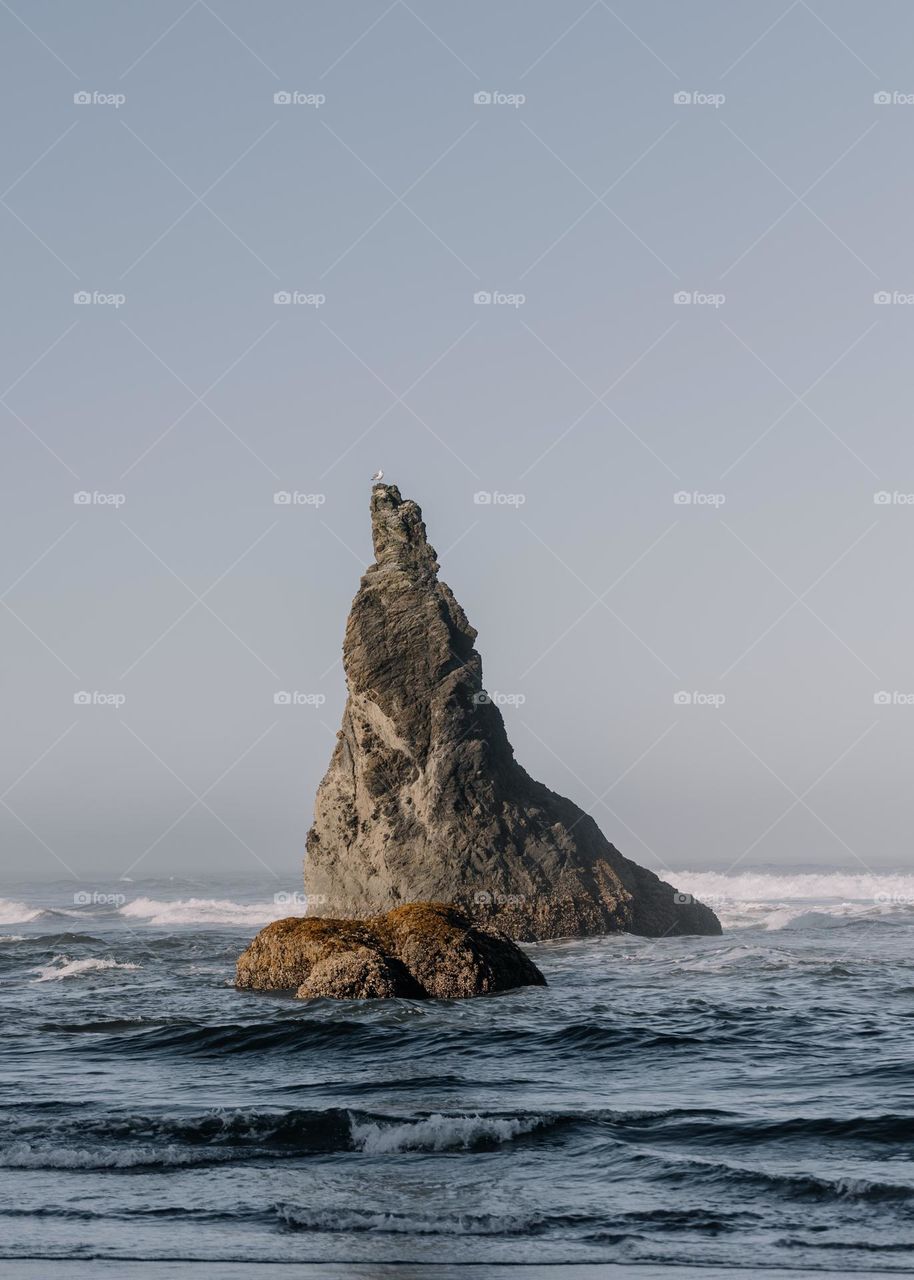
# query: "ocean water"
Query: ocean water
741,1101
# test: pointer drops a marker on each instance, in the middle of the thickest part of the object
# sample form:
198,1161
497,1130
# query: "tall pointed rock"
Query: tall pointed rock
423,799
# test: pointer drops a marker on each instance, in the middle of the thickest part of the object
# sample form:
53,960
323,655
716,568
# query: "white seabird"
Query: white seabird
378,475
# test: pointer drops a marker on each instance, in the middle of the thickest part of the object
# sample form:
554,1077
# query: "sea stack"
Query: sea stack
424,801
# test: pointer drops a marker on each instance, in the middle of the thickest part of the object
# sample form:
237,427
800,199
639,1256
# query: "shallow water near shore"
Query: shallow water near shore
738,1101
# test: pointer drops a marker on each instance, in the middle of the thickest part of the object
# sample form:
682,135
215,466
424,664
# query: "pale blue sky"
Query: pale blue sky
398,199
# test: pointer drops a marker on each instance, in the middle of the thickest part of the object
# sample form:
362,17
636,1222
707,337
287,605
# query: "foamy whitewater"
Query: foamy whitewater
730,1101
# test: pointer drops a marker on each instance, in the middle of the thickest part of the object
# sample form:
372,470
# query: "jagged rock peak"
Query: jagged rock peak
423,799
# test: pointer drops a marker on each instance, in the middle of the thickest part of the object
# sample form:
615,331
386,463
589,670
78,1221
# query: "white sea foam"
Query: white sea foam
438,1132
64,967
778,901
215,911
17,912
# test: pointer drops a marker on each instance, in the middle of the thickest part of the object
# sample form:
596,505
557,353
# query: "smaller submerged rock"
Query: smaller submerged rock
422,950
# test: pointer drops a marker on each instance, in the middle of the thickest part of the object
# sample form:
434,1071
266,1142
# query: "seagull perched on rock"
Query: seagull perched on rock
378,475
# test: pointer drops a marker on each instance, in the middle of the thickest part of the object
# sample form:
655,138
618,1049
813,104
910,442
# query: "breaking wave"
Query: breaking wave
772,901
64,967
212,911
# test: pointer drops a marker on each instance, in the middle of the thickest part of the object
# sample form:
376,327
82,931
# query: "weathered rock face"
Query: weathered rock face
420,950
423,799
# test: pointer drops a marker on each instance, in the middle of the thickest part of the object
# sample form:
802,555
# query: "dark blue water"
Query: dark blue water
742,1101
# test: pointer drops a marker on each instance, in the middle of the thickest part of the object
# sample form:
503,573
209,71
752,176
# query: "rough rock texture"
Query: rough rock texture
423,799
421,949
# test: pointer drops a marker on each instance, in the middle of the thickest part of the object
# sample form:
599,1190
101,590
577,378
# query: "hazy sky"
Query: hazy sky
582,197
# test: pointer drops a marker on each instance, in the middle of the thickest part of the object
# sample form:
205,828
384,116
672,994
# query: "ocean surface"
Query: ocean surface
743,1101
